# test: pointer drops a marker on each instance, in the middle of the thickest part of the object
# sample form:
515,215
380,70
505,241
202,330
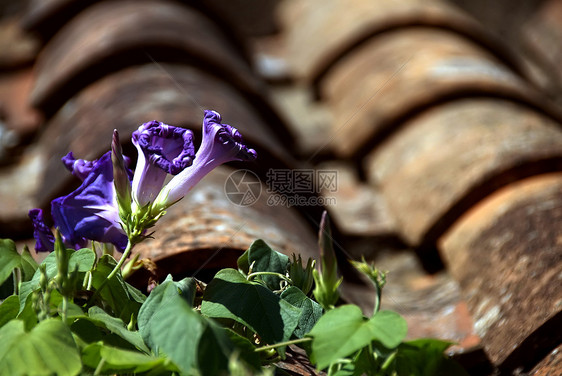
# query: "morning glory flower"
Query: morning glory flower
81,168
162,149
115,206
221,143
44,239
91,211
78,167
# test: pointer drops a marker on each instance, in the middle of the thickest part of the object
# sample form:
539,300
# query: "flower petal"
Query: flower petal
222,141
91,212
221,144
81,168
44,239
162,149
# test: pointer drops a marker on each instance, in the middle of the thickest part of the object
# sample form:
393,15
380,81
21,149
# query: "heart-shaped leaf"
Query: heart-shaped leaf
9,258
344,330
311,311
175,330
158,298
230,295
46,350
28,264
9,309
117,360
264,259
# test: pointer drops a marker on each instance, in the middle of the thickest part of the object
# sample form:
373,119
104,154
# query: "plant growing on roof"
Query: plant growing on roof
117,206
76,314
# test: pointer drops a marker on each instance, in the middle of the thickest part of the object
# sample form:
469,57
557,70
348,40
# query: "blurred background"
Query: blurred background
430,130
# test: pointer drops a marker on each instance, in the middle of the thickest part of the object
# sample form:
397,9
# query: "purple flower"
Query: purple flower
221,143
44,239
96,212
162,149
81,168
78,167
91,211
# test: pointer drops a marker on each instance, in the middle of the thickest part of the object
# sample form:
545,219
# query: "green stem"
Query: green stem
255,274
16,281
64,308
371,357
90,280
337,365
99,367
377,299
87,283
388,361
122,260
117,267
286,343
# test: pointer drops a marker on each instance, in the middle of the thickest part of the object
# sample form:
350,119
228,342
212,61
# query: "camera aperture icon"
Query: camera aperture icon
242,187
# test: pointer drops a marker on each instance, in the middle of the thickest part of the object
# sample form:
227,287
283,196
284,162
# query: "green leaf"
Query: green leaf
48,349
117,293
86,331
9,309
159,297
245,350
213,350
344,330
9,259
301,276
27,315
7,288
83,258
28,264
115,325
338,334
117,360
243,262
72,311
362,364
389,328
311,311
55,301
230,295
265,259
26,288
425,357
192,342
175,330
135,294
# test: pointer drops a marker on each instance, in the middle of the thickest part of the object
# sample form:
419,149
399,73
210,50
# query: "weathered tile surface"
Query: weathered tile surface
506,254
444,161
383,82
320,32
110,35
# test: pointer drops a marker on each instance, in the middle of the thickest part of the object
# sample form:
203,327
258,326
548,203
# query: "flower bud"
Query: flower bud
120,177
